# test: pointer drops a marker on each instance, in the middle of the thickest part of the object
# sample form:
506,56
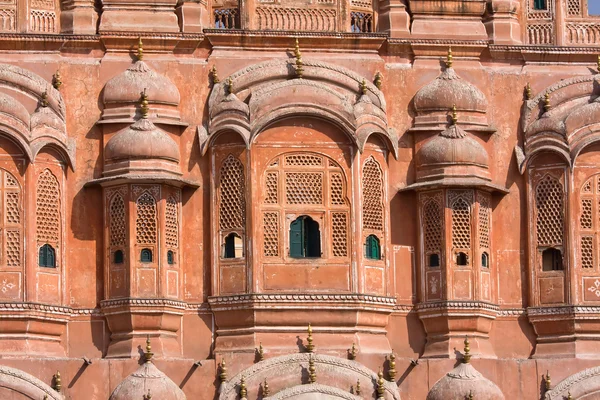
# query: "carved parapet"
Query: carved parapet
120,15
502,21
449,19
78,17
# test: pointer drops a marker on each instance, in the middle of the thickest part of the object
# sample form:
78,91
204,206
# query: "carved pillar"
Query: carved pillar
502,22
120,15
193,16
449,19
78,17
394,18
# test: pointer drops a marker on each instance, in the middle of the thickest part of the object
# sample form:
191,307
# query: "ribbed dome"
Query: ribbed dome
141,140
147,379
127,87
462,380
453,146
10,106
449,89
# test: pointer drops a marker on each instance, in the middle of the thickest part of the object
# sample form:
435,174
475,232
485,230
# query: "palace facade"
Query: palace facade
299,199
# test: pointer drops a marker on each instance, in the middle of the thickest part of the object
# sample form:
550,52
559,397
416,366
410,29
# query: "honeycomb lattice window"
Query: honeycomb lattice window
118,230
484,221
585,220
305,160
11,225
271,188
47,208
461,224
232,204
589,223
304,187
145,222
433,220
587,252
336,189
574,8
271,234
339,233
372,186
549,203
172,223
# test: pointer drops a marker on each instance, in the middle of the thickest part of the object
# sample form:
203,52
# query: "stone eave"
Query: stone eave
155,121
175,42
39,42
150,178
438,48
470,182
546,54
278,40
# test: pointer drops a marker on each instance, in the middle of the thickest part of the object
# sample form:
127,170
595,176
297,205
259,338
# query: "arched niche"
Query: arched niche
18,385
584,385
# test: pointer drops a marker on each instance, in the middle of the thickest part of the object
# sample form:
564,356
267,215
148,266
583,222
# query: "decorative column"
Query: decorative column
502,21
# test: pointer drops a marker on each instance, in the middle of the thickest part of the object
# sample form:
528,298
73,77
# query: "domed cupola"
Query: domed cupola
141,148
433,101
452,154
122,93
147,382
463,382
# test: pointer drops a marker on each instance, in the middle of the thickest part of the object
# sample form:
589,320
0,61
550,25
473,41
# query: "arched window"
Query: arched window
372,248
305,238
118,257
47,256
232,248
485,260
540,5
146,255
434,260
170,257
462,259
552,260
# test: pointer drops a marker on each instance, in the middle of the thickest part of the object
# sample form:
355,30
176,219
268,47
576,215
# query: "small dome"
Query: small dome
462,380
12,107
141,140
449,89
127,87
147,379
453,146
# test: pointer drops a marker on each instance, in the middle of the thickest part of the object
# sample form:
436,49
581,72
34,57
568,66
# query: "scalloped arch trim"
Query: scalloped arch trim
27,385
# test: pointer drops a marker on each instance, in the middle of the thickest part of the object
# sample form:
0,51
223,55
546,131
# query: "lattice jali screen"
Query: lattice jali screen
118,232
304,187
587,251
461,224
271,234
296,19
271,188
11,223
172,223
549,203
339,233
585,220
13,248
145,222
433,219
336,189
311,160
232,204
589,225
574,8
484,221
13,213
47,208
372,186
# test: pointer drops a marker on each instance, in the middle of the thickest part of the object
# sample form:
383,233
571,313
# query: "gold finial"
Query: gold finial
229,85
380,383
213,74
261,353
56,81
309,345
57,382
528,95
144,109
392,365
312,374
547,102
569,397
548,380
378,80
352,352
357,388
598,63
243,390
470,396
265,389
467,352
148,396
449,58
454,115
223,368
363,87
299,64
45,397
148,354
140,49
44,99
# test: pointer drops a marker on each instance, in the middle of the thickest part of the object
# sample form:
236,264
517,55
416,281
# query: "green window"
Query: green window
372,248
47,256
170,257
485,260
146,255
118,257
305,238
539,5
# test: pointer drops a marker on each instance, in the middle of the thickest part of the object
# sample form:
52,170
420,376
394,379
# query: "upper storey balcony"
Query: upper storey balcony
33,16
563,23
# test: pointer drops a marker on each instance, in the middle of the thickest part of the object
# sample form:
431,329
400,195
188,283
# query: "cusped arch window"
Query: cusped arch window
552,260
170,257
233,246
118,257
485,260
47,256
305,238
372,248
146,255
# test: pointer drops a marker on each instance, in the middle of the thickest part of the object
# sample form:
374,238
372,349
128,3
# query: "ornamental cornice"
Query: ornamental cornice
38,307
457,306
301,297
108,304
584,312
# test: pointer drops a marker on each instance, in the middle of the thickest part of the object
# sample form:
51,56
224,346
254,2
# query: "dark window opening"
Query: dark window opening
47,257
118,257
434,260
146,255
552,260
485,260
232,247
462,259
372,248
170,257
540,5
305,238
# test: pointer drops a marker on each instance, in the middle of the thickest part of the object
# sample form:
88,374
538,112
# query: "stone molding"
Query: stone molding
135,302
576,385
26,384
457,306
313,388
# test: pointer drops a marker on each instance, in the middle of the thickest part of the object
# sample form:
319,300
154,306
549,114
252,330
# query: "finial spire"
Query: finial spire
44,99
547,102
223,374
378,80
598,63
380,385
144,109
528,95
357,391
261,352
309,345
569,397
243,390
57,382
467,351
299,64
56,81
148,354
265,389
449,58
548,380
229,85
312,374
363,87
392,367
148,396
214,75
140,49
352,352
454,115
470,396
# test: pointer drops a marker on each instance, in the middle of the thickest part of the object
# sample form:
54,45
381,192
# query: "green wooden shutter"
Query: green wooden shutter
42,256
375,249
539,4
297,238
